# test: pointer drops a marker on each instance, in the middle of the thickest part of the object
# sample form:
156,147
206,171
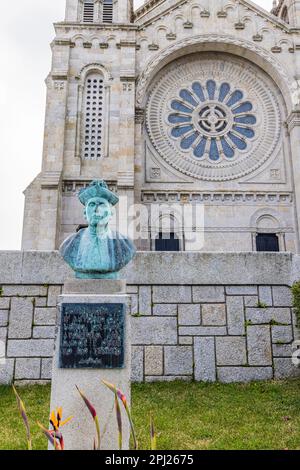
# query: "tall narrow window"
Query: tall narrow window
93,117
88,11
285,15
107,11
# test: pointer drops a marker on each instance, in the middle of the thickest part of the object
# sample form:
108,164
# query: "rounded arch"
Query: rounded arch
167,221
94,68
267,219
217,43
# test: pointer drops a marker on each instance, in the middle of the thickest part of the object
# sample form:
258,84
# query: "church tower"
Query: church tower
288,11
190,109
89,112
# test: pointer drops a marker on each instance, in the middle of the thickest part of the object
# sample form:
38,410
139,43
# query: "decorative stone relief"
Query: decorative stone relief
59,85
212,117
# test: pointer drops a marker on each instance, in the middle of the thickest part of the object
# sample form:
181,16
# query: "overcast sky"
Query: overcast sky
25,34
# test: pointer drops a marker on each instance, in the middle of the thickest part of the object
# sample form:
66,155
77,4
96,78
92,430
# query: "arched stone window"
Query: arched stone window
88,11
268,232
93,116
107,11
167,233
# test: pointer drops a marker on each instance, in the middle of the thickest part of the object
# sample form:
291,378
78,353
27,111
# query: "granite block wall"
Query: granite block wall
188,330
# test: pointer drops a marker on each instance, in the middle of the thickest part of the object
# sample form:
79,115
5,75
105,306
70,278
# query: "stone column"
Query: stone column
293,123
92,309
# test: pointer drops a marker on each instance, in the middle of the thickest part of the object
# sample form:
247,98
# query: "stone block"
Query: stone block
259,345
202,330
45,332
132,289
10,266
189,314
31,382
282,296
250,300
21,316
185,340
235,315
24,291
205,359
207,294
46,265
45,316
4,303
244,374
53,293
231,351
178,360
282,334
265,295
3,317
172,294
266,315
167,378
282,350
134,304
46,372
7,371
145,300
284,368
165,310
30,348
28,368
40,301
154,330
241,290
213,314
153,360
137,364
3,334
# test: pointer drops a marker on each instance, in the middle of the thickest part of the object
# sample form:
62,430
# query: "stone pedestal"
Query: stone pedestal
101,299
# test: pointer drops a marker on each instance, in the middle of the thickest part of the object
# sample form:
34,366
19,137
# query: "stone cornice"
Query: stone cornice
207,197
65,27
59,75
51,180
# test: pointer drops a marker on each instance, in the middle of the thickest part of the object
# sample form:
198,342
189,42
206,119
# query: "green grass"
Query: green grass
264,415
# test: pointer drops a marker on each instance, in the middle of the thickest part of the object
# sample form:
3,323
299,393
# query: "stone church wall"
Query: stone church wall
201,316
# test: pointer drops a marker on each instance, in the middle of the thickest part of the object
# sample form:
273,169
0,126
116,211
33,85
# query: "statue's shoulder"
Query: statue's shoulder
71,242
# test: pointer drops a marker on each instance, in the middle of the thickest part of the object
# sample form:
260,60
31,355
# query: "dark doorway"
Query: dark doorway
167,242
267,242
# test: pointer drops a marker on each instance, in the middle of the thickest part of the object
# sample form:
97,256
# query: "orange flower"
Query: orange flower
56,419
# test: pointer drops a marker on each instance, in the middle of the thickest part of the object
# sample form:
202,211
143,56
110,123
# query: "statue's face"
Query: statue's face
98,211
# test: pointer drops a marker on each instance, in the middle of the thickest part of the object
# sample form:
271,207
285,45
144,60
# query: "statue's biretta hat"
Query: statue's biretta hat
97,189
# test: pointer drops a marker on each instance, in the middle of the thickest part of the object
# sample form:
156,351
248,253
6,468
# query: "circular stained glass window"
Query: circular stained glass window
213,116
214,120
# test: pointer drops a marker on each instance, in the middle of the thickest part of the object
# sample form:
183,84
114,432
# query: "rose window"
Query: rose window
213,121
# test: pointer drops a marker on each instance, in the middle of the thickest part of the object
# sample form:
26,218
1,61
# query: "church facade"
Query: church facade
181,105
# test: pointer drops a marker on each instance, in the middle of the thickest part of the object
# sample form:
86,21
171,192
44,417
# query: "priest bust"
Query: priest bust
96,252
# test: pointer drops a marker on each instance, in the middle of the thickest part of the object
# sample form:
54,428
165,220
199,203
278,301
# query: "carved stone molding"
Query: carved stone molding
235,197
146,77
293,120
71,187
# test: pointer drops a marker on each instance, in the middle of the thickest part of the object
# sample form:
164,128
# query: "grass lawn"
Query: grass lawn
264,415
